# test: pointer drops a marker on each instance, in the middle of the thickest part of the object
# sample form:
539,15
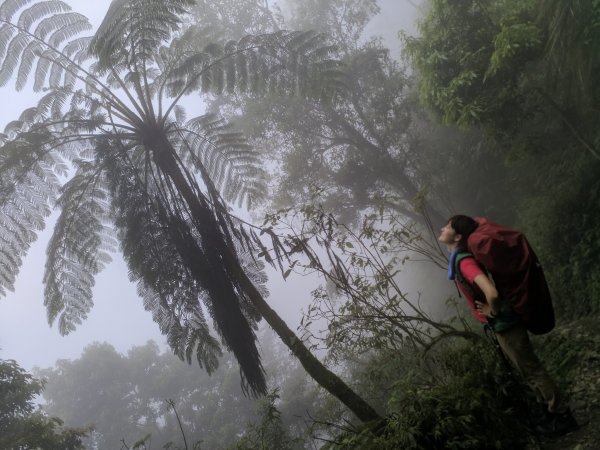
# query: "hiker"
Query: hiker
489,308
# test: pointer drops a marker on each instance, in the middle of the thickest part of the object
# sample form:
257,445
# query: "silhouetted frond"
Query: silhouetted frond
51,105
232,164
139,26
80,247
36,39
187,332
28,186
287,63
167,285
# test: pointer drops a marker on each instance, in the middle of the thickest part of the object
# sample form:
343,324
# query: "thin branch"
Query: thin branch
172,405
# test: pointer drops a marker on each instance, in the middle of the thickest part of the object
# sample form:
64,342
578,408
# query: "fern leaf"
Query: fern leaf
9,8
7,31
13,55
40,9
21,47
68,26
79,248
233,165
139,25
28,187
29,55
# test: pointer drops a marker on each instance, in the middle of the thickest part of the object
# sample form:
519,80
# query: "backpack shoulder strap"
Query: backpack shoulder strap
475,292
459,257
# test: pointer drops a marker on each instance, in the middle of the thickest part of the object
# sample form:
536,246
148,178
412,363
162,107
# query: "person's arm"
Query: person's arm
492,306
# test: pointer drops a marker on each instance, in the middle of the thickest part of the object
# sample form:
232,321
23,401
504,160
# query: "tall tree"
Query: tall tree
22,425
361,149
125,396
110,123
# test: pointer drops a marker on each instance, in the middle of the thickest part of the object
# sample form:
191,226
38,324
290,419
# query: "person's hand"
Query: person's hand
484,309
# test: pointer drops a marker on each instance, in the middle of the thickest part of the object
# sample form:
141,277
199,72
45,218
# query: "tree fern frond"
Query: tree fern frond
165,283
77,49
52,102
41,70
29,55
13,55
53,26
137,25
227,157
7,31
68,26
80,248
28,186
13,127
41,9
9,8
187,332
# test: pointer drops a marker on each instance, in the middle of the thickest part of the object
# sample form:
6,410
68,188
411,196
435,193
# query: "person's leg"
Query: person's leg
517,347
558,419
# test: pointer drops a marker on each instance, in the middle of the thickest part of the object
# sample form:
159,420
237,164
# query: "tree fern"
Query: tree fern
111,108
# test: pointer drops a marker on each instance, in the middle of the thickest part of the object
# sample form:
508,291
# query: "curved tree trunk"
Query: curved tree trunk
318,372
165,159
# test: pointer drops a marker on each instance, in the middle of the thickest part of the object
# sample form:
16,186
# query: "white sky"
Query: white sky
118,316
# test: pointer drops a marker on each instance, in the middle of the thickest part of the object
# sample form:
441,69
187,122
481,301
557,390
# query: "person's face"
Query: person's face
448,236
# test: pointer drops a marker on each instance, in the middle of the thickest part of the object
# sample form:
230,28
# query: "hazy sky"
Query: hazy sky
118,316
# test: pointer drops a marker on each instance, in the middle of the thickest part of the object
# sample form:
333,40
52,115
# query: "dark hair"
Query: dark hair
463,225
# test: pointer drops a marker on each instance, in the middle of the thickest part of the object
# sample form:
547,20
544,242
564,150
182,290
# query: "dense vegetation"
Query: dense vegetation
22,424
492,110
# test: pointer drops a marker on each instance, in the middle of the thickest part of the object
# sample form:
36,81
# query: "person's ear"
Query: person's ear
457,237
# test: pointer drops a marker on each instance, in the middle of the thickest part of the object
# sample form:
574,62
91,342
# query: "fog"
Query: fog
353,134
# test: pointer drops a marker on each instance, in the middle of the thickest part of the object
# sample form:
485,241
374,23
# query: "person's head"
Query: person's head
457,231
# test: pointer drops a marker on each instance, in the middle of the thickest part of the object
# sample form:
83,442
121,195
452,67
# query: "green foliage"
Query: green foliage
466,54
24,427
511,63
268,432
562,222
572,355
456,396
521,71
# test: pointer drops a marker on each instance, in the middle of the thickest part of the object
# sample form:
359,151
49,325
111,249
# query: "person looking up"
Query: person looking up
492,310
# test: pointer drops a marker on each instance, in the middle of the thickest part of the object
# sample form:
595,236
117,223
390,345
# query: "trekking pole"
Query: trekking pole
491,337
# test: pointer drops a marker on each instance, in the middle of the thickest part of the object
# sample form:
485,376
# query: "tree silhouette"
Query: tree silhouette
109,145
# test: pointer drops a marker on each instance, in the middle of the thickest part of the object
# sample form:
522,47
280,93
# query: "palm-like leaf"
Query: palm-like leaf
28,184
79,248
37,37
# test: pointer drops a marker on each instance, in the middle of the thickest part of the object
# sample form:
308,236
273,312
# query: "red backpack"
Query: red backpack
516,272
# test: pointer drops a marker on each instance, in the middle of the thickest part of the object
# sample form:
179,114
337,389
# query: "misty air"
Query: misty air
299,224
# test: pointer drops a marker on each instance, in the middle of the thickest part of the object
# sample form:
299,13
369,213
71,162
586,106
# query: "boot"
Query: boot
557,424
